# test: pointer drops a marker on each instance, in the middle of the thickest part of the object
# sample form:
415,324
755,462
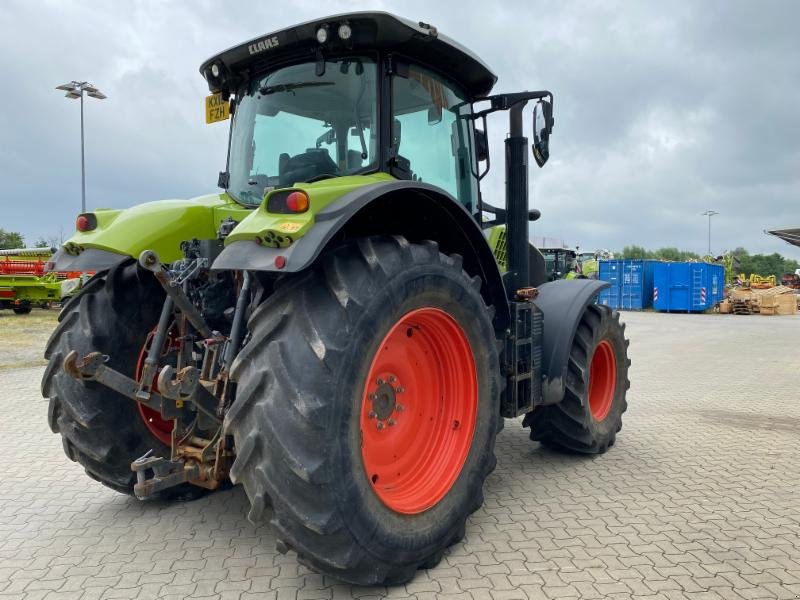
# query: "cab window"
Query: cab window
294,125
430,129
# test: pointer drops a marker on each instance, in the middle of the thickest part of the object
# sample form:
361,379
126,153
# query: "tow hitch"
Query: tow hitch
166,473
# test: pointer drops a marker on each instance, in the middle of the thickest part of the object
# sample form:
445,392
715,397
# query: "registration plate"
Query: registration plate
217,109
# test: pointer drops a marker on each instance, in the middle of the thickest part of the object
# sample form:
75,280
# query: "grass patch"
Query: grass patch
23,337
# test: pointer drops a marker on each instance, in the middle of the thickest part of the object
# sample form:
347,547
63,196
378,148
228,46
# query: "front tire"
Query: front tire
305,419
590,415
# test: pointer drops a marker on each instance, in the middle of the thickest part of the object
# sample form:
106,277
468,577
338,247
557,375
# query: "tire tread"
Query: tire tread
294,401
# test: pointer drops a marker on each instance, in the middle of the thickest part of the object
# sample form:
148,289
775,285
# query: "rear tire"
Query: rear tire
590,415
298,423
23,309
101,429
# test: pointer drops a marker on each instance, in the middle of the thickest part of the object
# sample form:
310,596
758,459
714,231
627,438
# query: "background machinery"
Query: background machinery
791,280
561,263
590,262
24,284
332,330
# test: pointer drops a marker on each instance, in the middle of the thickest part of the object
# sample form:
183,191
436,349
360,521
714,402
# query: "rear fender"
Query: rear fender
160,226
562,303
412,209
91,259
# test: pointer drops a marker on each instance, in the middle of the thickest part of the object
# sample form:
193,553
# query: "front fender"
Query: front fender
562,303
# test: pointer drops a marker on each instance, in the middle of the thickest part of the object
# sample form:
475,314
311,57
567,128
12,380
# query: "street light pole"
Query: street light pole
75,90
83,167
709,213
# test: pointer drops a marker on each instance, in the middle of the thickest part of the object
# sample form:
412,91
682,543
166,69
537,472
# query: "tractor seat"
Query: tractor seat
302,167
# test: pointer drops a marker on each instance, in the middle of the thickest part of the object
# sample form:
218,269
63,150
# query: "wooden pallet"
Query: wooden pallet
741,307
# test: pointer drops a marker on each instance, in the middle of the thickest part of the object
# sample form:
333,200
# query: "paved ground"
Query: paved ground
699,499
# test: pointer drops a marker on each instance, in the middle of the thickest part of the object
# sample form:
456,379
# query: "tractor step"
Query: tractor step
522,360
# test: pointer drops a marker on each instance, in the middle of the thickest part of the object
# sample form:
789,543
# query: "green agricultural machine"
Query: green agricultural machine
24,283
590,262
560,263
333,331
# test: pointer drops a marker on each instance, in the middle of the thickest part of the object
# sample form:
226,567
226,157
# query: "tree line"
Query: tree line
743,262
13,239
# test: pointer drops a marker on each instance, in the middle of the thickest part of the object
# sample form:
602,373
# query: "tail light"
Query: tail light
86,222
288,202
297,202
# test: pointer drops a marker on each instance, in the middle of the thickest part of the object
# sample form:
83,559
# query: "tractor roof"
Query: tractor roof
790,236
370,31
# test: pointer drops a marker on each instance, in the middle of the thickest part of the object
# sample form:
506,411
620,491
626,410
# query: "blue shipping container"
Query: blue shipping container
688,286
631,282
611,272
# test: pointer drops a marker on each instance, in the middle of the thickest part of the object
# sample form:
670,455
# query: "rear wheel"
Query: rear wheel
590,415
23,308
366,409
101,429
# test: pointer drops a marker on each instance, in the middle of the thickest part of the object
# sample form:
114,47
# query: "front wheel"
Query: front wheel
367,408
590,415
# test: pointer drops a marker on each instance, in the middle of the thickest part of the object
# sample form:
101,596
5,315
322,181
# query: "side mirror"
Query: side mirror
542,127
481,146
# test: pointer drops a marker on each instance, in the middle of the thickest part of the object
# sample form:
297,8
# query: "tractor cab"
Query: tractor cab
560,263
349,95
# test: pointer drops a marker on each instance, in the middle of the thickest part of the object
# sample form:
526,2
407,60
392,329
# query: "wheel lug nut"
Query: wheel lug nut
373,397
372,414
391,423
379,425
392,378
399,407
380,381
399,389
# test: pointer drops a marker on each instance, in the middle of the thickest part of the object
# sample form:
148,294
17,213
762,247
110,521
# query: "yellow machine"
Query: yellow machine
757,281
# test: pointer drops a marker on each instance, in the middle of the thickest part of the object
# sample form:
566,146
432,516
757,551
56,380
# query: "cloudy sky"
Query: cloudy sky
663,110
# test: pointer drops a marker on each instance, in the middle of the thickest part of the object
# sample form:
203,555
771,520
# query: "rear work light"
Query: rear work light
345,32
288,202
86,222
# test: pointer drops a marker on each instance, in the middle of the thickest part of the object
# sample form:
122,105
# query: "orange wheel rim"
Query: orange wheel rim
418,411
602,380
155,423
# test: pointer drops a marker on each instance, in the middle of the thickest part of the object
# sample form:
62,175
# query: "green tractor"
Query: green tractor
590,262
561,263
333,331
